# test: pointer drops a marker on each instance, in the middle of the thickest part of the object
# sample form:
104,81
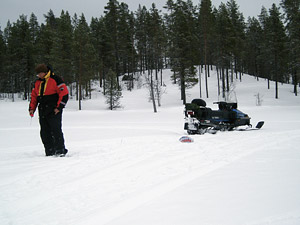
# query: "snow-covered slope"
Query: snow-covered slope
128,167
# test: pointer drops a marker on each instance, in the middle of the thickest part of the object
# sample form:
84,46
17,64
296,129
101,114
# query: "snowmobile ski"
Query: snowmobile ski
257,127
259,124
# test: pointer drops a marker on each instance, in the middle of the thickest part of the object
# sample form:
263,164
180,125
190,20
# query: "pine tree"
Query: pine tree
113,92
34,32
84,56
96,42
46,38
141,36
253,47
182,51
155,40
292,14
126,42
265,51
34,29
206,31
277,42
19,56
224,43
103,45
238,37
7,81
61,51
169,24
112,26
2,63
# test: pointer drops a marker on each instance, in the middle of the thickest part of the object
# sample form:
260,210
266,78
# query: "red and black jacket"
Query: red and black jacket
49,93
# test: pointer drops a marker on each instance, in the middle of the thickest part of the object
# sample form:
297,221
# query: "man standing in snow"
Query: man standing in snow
50,94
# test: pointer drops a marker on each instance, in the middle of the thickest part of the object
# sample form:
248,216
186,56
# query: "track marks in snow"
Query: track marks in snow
160,171
104,179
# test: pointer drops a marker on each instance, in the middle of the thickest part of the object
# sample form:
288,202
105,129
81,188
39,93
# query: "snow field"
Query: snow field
128,166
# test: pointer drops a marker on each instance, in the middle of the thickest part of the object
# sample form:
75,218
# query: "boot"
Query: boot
61,152
49,152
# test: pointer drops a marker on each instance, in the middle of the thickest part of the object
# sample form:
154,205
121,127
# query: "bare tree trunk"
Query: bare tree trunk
276,77
295,84
152,93
206,81
227,79
79,83
223,83
182,80
205,64
218,77
200,82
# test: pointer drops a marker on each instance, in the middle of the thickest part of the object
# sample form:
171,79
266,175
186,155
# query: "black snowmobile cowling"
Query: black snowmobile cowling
200,119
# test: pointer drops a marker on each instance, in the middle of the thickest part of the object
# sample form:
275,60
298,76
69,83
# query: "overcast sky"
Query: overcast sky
12,9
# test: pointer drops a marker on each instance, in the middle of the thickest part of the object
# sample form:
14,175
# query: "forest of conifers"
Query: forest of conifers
127,43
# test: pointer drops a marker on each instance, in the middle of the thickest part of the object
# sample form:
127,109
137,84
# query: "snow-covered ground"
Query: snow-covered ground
128,166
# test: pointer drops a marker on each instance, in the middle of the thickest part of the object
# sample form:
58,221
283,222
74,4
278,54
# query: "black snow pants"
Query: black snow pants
51,134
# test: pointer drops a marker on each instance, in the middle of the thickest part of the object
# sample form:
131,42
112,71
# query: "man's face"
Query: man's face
41,75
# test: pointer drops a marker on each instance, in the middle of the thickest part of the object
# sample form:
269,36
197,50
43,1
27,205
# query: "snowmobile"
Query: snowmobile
200,119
